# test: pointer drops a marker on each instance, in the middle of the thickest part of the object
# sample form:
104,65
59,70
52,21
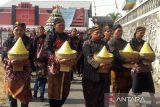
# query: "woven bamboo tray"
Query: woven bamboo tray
103,60
129,55
66,56
126,55
18,57
148,56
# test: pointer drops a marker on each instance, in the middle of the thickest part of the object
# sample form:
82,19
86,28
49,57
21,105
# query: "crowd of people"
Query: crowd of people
96,86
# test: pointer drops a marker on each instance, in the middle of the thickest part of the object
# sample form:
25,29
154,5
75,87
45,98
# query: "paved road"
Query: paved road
76,99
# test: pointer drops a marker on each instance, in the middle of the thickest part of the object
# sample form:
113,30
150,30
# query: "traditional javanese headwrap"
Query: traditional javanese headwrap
139,28
74,29
17,24
107,27
116,26
41,27
94,28
58,20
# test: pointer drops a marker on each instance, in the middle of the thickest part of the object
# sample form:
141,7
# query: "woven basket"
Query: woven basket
103,60
72,56
129,55
149,56
18,57
66,56
126,55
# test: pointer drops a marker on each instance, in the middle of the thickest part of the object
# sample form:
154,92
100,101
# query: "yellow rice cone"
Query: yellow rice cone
128,48
103,57
65,49
18,48
65,52
104,53
146,48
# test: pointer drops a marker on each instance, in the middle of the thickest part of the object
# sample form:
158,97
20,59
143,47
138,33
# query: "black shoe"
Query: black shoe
34,96
41,98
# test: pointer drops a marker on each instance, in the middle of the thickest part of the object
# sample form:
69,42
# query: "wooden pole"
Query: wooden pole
61,93
116,4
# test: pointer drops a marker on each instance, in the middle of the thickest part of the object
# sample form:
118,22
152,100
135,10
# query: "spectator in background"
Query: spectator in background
40,62
73,39
107,32
74,42
33,34
41,77
80,62
87,36
38,42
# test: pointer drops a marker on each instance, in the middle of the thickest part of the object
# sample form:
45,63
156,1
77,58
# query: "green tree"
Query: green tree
114,16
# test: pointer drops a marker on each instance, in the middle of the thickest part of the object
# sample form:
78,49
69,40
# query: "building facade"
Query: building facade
145,13
34,13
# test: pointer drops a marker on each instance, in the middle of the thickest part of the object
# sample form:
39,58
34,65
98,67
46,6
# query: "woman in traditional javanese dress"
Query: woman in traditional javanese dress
141,73
17,83
121,79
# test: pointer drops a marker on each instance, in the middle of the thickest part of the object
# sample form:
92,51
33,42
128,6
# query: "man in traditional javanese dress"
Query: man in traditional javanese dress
94,84
54,41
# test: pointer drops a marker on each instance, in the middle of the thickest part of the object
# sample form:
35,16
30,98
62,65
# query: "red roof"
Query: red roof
78,19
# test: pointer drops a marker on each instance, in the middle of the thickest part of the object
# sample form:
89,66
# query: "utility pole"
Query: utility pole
94,5
94,19
116,4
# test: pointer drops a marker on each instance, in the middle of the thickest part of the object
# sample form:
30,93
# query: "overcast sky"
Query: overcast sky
103,7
